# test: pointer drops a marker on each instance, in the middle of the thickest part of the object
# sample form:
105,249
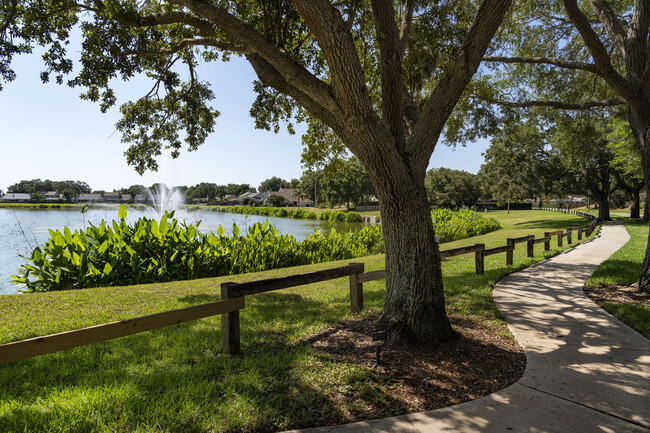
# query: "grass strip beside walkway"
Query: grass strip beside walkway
609,284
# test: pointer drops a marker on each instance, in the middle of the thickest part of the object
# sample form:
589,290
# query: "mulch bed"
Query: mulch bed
617,295
416,379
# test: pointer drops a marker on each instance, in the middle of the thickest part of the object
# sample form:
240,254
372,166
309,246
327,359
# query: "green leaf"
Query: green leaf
220,231
235,230
164,225
122,212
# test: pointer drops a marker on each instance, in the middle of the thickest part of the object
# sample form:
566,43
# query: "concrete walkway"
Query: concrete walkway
586,372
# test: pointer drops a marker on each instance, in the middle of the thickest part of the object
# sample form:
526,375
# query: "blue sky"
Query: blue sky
47,132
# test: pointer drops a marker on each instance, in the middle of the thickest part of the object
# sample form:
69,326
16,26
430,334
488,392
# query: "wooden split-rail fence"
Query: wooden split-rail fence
233,300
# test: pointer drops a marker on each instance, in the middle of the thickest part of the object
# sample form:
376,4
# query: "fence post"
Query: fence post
229,324
356,290
509,253
559,239
579,233
547,243
568,235
530,245
479,259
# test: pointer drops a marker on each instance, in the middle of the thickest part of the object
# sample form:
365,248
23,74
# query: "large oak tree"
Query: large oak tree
383,75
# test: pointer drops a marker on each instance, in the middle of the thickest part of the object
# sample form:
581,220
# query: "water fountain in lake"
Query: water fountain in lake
161,200
166,199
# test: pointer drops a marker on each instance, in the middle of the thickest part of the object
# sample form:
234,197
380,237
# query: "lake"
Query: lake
22,230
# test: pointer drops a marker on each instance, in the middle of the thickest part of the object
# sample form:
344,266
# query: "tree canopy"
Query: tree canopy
451,188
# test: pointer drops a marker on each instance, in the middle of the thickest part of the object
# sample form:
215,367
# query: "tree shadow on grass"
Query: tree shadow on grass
552,224
177,379
625,271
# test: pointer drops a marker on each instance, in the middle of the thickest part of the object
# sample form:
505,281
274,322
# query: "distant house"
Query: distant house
258,197
232,200
288,194
112,197
126,198
52,196
140,198
90,198
16,197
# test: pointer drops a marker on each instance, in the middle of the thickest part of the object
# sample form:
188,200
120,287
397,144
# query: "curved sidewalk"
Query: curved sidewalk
586,371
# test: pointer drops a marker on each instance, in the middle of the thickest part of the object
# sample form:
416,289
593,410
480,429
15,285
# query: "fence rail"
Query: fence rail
233,300
24,349
568,212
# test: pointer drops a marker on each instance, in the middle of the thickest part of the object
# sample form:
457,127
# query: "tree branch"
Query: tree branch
555,104
638,46
602,62
12,13
224,46
269,76
348,78
390,68
610,21
589,67
407,24
455,79
295,74
204,27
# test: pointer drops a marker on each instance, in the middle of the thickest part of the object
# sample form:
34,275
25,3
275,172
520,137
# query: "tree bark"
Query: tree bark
414,308
636,204
641,130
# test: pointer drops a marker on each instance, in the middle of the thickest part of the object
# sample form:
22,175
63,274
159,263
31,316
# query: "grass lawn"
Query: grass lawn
623,268
176,379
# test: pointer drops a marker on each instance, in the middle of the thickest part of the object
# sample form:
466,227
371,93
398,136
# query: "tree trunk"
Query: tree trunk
603,205
641,132
636,204
414,308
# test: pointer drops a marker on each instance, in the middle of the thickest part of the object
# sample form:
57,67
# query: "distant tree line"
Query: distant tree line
551,156
347,184
70,189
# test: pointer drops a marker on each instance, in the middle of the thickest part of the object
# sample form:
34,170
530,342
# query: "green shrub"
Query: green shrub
353,217
300,214
281,212
450,226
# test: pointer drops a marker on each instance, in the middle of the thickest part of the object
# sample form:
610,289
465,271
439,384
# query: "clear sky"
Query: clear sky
48,132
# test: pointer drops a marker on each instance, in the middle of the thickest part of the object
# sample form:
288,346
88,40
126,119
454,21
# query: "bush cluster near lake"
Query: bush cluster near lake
149,251
450,226
282,212
334,215
295,213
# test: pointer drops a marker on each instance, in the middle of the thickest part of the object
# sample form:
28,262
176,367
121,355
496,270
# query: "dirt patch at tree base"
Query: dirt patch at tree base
617,295
415,379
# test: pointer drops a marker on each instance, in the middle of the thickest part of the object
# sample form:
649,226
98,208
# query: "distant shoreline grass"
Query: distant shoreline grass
176,379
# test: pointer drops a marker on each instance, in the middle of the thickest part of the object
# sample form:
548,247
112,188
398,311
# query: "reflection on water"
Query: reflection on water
21,230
